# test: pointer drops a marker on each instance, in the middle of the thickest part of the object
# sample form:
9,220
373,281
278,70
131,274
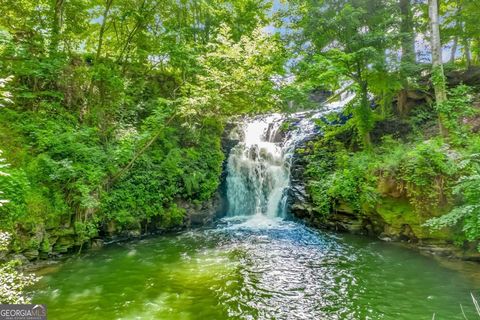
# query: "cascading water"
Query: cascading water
258,168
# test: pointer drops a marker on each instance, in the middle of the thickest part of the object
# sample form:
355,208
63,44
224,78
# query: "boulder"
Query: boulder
201,214
97,244
64,244
31,254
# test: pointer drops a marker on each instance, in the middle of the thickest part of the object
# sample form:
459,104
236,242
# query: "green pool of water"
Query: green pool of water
255,270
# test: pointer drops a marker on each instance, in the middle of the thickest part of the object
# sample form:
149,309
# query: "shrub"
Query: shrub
427,173
467,211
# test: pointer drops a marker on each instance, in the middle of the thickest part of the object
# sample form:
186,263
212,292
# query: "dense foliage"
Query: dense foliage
435,175
116,109
406,139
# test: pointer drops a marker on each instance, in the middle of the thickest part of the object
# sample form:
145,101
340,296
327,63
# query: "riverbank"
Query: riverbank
32,256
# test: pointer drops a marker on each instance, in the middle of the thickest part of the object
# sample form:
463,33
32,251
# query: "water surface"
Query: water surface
259,268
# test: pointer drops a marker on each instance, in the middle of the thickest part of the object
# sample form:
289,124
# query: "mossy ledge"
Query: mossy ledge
391,218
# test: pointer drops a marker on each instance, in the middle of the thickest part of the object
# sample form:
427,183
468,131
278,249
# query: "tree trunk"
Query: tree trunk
439,84
408,35
453,51
438,76
85,108
477,56
365,115
57,22
108,4
468,54
408,58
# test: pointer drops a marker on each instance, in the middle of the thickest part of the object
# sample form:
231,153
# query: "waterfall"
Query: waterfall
258,167
257,170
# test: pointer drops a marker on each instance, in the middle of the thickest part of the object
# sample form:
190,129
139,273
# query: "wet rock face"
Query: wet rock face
320,96
202,214
231,137
299,202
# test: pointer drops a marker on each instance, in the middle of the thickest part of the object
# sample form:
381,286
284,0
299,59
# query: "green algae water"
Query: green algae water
251,269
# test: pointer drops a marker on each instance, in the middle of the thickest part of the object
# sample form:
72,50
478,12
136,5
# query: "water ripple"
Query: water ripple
258,270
